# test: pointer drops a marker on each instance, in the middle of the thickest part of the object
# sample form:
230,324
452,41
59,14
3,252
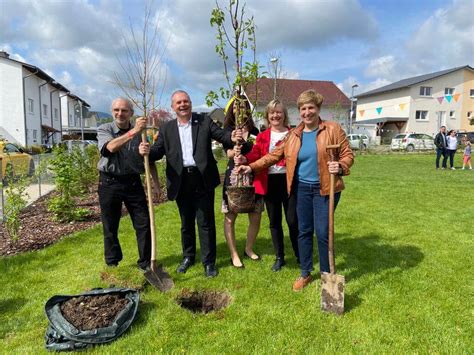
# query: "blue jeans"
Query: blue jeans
441,152
312,210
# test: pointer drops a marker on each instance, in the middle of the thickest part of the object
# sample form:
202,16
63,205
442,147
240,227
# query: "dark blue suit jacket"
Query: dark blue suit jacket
168,143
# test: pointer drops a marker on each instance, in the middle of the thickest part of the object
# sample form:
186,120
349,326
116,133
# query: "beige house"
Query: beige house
420,104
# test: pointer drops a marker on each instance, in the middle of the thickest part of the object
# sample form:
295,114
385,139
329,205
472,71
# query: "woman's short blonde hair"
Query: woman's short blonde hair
271,105
310,97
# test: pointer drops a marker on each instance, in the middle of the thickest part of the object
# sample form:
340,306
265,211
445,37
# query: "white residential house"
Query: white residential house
30,104
420,104
76,119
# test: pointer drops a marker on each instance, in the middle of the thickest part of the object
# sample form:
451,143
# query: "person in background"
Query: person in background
467,156
120,167
308,170
440,143
248,129
452,145
271,182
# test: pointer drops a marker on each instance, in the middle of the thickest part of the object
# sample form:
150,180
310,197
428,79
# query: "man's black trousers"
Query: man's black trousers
196,204
113,191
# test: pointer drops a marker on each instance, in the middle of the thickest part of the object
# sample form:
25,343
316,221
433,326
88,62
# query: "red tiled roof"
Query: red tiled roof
288,91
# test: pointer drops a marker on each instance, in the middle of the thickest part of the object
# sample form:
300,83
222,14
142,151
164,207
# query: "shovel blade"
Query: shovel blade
159,278
332,293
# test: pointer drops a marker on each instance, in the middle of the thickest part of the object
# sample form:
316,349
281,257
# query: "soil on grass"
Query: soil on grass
203,301
92,312
38,229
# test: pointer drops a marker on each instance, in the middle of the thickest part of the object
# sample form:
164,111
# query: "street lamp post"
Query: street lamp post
274,62
352,107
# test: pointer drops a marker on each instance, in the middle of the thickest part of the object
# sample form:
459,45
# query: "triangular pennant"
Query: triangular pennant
379,110
449,97
440,99
456,97
402,106
361,113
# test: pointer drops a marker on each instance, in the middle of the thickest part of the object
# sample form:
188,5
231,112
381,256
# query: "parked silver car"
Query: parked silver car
358,141
412,141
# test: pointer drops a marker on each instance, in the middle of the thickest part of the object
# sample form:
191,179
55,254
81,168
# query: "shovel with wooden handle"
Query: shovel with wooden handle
332,285
156,274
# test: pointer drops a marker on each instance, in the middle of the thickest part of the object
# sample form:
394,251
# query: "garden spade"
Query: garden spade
156,274
332,285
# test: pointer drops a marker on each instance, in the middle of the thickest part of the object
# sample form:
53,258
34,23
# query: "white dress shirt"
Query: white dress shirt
186,139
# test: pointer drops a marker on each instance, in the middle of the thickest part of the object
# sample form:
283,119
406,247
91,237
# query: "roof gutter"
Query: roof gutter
61,113
41,111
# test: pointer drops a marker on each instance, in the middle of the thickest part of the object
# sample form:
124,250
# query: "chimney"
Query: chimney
4,54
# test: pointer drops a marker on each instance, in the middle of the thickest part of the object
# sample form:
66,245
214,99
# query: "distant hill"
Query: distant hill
102,117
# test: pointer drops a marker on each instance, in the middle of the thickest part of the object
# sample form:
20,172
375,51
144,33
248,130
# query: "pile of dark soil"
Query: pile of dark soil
203,301
92,312
38,229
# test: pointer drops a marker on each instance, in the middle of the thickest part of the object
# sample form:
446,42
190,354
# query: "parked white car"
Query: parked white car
358,141
412,141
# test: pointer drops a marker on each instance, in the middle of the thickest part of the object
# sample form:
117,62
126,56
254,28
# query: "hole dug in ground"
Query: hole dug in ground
204,301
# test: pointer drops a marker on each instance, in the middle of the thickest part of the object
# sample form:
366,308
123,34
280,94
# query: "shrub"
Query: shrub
85,171
15,202
64,209
70,177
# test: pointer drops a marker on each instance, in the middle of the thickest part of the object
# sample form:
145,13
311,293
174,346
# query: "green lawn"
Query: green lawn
403,240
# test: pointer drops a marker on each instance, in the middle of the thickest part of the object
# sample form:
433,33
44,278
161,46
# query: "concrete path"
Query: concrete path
34,191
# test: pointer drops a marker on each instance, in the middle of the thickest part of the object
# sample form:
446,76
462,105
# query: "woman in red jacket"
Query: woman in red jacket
272,182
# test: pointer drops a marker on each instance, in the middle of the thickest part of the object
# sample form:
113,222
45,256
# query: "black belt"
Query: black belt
125,178
190,169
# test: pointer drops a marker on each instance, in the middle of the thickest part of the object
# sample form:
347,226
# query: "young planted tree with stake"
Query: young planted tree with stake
236,34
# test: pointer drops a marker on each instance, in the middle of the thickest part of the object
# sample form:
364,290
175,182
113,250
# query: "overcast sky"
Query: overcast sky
368,42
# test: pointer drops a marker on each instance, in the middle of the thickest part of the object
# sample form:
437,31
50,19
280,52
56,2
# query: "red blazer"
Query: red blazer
259,149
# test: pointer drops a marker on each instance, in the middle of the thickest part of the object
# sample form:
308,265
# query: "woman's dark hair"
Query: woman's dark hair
230,119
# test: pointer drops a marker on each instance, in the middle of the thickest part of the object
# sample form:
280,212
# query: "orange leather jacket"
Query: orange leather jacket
329,133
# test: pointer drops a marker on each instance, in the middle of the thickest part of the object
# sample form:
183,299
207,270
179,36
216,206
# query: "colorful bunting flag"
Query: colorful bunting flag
361,113
456,97
402,106
379,110
449,97
440,99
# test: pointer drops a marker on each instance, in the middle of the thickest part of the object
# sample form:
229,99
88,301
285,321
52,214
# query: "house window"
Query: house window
449,91
35,132
452,115
55,113
45,110
31,106
469,115
471,93
425,91
422,115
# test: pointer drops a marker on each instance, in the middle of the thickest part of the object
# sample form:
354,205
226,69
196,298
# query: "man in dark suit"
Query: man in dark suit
192,176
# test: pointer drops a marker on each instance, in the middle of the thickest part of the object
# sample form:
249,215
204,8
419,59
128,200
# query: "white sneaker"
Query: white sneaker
453,168
470,168
462,168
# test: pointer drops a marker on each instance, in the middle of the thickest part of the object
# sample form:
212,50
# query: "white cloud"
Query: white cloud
444,40
382,67
303,25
